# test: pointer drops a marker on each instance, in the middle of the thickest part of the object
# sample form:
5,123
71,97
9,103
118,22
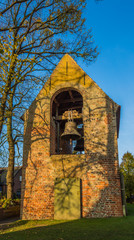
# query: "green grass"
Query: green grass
83,229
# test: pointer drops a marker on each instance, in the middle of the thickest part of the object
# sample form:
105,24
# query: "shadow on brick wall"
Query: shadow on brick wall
100,193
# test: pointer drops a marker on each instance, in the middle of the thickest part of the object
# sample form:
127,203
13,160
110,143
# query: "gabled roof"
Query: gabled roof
64,72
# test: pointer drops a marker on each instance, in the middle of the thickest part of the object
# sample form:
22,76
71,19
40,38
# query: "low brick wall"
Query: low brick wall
13,211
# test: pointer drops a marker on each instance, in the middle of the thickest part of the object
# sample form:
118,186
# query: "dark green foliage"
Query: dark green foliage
127,168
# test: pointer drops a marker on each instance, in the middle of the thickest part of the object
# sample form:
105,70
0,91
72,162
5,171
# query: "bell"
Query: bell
80,145
70,131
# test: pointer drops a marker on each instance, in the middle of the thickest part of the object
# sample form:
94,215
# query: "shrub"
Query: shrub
6,203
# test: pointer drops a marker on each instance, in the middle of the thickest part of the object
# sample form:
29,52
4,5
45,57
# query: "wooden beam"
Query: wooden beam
70,100
56,102
71,95
76,107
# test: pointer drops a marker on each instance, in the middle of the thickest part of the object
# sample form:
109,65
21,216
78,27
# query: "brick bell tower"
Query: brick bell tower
70,161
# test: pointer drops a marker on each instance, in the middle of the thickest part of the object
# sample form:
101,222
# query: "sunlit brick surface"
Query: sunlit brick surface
97,168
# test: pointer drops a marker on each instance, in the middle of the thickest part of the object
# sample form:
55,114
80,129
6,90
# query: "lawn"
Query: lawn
83,229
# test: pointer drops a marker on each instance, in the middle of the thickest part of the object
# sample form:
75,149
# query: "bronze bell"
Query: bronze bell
70,131
80,145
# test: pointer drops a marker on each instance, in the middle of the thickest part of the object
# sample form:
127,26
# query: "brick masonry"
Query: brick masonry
98,168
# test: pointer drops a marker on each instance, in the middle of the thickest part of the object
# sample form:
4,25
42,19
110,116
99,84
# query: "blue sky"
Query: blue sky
112,25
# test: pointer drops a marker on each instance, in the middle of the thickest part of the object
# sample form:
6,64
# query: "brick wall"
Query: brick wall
97,168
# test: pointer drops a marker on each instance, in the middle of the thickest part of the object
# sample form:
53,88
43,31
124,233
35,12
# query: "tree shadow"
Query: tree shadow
8,225
98,168
82,229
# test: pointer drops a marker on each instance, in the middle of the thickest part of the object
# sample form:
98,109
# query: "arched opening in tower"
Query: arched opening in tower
67,135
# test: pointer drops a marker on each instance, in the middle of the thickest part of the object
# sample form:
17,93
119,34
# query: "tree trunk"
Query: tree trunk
2,110
11,148
3,103
10,171
6,92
